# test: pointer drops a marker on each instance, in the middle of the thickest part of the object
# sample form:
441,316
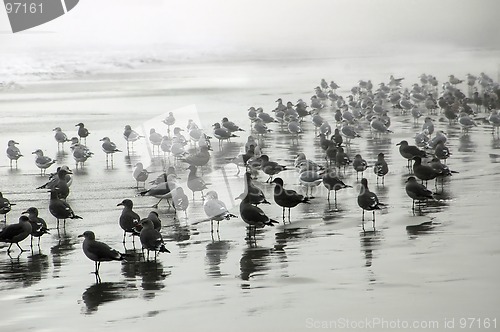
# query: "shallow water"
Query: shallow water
318,270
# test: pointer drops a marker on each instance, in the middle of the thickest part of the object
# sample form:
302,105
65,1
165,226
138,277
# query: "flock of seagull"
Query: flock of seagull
365,108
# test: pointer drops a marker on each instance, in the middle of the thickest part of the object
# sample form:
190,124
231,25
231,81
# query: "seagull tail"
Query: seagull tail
230,215
76,217
271,222
163,249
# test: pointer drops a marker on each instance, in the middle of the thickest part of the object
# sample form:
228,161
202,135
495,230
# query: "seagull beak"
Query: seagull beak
398,144
24,212
81,235
119,204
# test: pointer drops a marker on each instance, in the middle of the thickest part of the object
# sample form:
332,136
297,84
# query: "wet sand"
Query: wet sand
317,270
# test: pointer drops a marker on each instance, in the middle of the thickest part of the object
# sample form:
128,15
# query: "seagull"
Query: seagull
13,152
332,182
60,209
359,165
130,136
99,251
180,201
38,225
252,193
309,179
466,122
368,200
417,191
109,148
222,134
169,121
194,182
410,151
229,125
15,233
198,159
271,168
128,219
54,179
80,152
82,131
60,137
151,239
62,187
155,139
348,131
5,206
381,168
42,162
287,198
423,172
253,215
140,174
215,209
162,190
154,217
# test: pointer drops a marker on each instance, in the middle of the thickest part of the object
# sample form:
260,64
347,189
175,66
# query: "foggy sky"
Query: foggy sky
264,24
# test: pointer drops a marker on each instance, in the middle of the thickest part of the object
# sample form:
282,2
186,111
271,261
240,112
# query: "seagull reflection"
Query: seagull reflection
152,274
23,273
253,262
370,240
64,246
179,232
101,293
465,144
423,228
216,253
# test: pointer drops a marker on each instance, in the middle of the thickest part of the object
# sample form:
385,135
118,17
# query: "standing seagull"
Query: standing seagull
15,233
380,168
82,132
151,239
128,219
42,162
169,121
410,151
5,206
194,182
332,182
130,136
215,209
417,191
13,152
38,225
359,165
60,137
222,133
287,198
368,201
155,139
109,149
62,187
180,201
254,216
60,209
140,174
98,251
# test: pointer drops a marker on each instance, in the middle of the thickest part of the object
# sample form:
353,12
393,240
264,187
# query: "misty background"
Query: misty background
263,27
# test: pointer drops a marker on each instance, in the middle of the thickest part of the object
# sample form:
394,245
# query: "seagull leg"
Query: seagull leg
289,216
20,247
218,226
124,233
211,226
